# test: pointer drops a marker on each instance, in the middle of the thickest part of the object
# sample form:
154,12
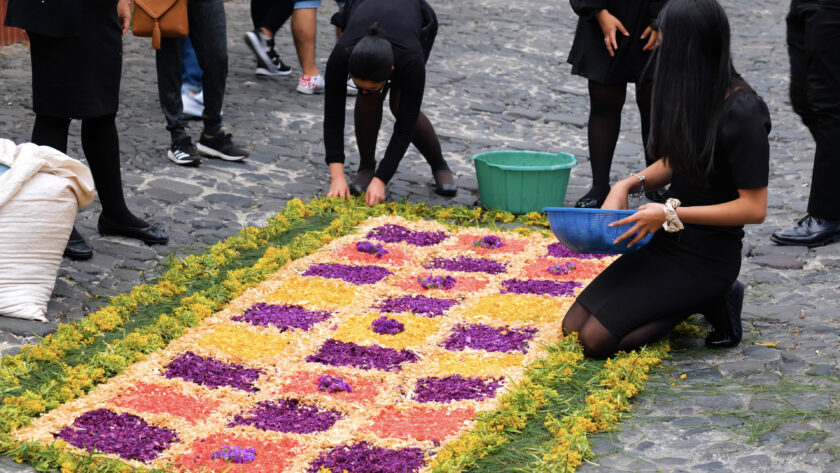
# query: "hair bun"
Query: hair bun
376,30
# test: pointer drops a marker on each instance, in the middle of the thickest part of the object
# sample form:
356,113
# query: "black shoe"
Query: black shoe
726,319
280,67
151,234
78,249
809,231
657,196
592,199
183,153
221,146
361,182
445,189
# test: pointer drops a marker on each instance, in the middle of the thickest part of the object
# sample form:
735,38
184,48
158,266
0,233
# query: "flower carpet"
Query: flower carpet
378,344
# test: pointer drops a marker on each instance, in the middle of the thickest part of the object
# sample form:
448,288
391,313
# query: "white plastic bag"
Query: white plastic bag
40,194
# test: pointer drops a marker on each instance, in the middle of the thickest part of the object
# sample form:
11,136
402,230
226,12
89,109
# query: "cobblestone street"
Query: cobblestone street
497,79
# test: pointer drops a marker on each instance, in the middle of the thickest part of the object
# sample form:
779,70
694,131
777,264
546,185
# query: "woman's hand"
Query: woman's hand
617,198
339,188
648,219
375,192
609,26
653,39
124,14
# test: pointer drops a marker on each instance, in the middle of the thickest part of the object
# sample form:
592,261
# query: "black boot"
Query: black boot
725,318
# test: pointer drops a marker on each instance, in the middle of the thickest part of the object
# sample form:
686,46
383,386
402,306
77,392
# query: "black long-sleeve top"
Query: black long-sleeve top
402,22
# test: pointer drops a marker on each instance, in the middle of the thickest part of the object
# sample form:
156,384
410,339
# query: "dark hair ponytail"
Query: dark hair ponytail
373,57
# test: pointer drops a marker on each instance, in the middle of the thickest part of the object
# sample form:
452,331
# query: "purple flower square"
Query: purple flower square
540,287
485,337
396,234
283,317
558,250
467,265
336,353
288,415
365,458
125,435
420,305
455,388
212,373
356,274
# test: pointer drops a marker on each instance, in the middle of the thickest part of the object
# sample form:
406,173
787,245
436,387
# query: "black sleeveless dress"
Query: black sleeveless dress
589,57
680,273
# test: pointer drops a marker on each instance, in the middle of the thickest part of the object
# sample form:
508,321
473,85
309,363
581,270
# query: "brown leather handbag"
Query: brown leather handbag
160,18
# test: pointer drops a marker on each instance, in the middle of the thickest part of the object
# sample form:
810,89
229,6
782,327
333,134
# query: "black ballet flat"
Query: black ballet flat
152,234
729,332
78,250
446,190
590,203
360,182
357,189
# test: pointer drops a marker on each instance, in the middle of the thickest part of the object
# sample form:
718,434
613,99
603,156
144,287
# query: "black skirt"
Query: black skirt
589,57
79,76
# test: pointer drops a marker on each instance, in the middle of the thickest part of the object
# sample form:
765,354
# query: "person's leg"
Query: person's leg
191,76
644,94
169,63
367,121
303,32
275,16
427,143
208,31
101,145
606,101
796,20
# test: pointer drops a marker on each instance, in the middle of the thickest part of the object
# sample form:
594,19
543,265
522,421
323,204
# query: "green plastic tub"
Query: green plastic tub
523,181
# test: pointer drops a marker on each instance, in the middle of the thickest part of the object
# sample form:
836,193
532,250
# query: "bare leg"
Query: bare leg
303,31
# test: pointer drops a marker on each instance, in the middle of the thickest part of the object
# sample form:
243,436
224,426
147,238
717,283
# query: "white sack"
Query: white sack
39,196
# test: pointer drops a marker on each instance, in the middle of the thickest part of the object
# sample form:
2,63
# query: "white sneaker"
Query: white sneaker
193,104
351,87
259,46
311,84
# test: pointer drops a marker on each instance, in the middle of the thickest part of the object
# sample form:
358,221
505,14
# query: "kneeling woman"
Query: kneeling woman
383,48
711,129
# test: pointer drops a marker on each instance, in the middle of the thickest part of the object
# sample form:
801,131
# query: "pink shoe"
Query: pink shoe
311,84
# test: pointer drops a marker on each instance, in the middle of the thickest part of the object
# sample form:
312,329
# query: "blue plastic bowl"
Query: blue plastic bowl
586,230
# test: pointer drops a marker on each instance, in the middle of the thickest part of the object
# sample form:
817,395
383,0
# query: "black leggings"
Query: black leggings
101,146
606,102
271,14
368,119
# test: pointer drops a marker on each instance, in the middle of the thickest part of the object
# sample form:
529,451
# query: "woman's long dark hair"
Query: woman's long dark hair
373,56
692,78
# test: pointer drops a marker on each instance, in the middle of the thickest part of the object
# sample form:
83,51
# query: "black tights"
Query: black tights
606,102
101,146
598,342
368,119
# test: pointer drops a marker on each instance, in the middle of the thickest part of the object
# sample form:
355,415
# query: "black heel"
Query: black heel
726,319
445,189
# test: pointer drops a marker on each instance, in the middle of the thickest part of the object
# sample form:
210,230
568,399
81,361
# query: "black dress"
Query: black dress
411,27
589,57
76,49
680,273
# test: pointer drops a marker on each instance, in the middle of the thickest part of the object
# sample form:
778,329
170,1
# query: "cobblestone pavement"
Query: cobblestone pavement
498,80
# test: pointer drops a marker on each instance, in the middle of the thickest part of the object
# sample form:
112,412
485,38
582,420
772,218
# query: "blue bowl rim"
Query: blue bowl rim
508,167
580,210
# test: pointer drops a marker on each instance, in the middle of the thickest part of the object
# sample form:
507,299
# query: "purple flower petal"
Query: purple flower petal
333,384
490,242
539,286
395,234
467,265
336,353
125,435
385,326
364,458
350,273
558,250
282,316
420,305
288,415
485,337
455,388
212,373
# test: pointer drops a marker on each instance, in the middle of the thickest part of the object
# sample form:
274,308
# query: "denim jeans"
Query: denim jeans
208,32
191,78
813,33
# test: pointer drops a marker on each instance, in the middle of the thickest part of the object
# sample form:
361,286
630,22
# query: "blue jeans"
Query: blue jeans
191,78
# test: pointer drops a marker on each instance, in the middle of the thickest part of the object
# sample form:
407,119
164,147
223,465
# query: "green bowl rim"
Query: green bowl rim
507,167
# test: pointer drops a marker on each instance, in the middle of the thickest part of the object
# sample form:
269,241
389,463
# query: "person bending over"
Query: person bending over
711,129
383,48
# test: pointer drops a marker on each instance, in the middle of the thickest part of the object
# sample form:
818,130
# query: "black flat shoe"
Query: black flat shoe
444,189
78,250
361,181
150,234
726,319
809,231
590,203
658,196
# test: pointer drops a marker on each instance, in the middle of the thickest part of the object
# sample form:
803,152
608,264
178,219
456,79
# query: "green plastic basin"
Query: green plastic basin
523,181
